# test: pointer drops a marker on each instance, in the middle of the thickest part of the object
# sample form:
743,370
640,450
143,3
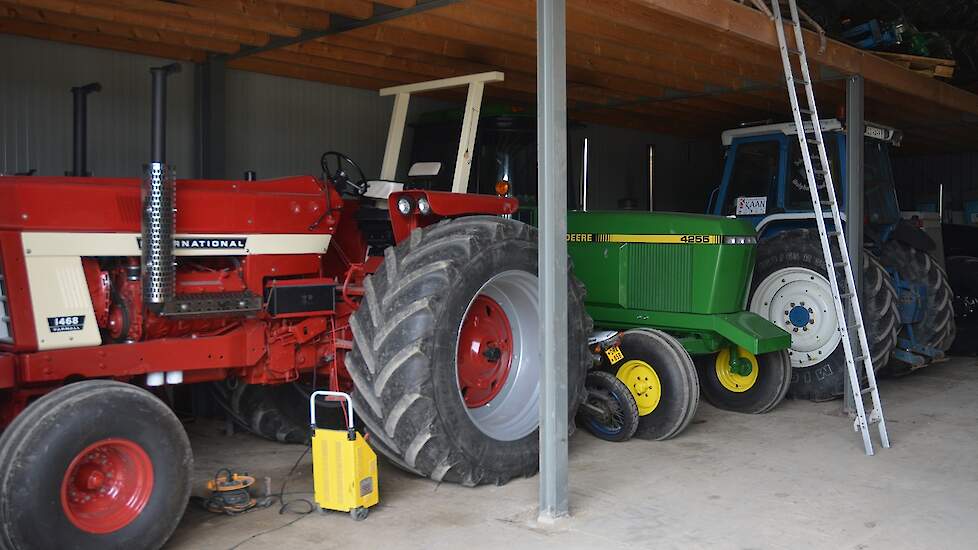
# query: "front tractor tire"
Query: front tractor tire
92,465
445,360
661,377
756,390
791,289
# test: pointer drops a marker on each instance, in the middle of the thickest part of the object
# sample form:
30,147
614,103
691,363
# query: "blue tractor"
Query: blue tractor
906,300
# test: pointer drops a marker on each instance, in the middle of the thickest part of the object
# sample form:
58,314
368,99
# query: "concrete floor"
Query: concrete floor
793,478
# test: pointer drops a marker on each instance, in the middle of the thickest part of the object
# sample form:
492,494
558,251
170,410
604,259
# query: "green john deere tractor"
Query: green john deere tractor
662,287
667,292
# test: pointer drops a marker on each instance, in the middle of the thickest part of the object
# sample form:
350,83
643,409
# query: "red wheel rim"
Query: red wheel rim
485,352
107,485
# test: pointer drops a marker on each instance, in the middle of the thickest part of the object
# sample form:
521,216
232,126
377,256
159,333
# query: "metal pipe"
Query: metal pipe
79,157
158,195
158,118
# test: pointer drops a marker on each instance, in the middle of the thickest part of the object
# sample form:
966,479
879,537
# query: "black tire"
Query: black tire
406,332
825,379
40,444
962,273
937,327
766,392
278,412
620,418
678,385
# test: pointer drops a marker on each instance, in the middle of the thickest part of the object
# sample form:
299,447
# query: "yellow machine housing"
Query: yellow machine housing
344,467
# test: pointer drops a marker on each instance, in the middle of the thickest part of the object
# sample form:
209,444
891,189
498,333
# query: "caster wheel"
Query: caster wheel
359,514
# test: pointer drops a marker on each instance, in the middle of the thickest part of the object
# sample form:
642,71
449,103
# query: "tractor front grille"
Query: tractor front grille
651,264
6,325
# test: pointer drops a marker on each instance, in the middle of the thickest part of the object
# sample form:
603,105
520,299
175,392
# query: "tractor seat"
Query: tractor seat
381,189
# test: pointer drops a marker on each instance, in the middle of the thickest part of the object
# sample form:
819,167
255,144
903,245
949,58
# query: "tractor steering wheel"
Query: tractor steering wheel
340,178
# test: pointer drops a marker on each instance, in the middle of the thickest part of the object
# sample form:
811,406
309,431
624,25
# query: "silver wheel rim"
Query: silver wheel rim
514,412
799,300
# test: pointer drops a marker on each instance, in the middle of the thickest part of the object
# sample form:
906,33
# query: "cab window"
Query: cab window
755,173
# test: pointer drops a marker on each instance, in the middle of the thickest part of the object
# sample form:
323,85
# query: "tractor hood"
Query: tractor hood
654,223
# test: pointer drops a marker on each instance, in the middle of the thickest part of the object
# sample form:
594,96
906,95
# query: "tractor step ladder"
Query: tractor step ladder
845,302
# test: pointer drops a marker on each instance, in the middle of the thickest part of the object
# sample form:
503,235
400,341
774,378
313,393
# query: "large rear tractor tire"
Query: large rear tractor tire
791,289
937,327
95,464
753,391
445,360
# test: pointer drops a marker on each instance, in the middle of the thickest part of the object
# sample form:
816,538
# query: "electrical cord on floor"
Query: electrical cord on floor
281,493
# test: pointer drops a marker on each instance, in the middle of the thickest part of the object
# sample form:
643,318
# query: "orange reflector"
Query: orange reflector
502,187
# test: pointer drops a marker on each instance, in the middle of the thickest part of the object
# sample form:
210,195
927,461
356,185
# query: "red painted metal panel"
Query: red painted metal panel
287,205
18,293
242,347
444,205
7,363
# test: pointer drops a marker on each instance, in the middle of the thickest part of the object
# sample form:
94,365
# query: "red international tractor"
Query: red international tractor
423,303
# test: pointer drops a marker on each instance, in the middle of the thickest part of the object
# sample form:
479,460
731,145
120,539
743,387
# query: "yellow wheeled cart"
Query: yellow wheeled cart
344,467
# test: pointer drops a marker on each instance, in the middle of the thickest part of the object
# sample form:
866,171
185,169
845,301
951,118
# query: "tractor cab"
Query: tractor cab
764,175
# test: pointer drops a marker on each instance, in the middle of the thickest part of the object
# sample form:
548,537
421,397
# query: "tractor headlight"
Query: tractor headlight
424,206
739,240
404,205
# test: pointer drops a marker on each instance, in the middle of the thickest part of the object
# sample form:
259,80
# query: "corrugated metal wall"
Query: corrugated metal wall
275,126
35,108
281,126
685,171
918,179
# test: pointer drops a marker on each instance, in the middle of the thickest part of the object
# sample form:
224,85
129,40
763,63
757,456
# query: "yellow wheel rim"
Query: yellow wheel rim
644,384
736,383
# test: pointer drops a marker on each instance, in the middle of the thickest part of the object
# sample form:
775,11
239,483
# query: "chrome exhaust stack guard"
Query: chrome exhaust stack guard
158,196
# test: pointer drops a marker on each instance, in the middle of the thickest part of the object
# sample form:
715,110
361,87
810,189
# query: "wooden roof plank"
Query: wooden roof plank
357,9
161,22
98,40
116,29
206,15
299,17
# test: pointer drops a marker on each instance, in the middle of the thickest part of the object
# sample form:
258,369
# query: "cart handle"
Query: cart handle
312,406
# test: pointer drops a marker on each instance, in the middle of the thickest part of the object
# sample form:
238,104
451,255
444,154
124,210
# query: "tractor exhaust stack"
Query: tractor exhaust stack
158,204
79,160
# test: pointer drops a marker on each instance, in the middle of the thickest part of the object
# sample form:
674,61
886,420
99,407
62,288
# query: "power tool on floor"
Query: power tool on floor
344,467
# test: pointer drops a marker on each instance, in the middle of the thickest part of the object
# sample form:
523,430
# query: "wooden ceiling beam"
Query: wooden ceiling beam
400,4
299,17
356,9
590,69
401,43
590,34
161,22
260,63
99,40
206,16
115,29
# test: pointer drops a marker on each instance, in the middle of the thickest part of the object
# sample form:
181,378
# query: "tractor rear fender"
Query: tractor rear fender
441,205
913,236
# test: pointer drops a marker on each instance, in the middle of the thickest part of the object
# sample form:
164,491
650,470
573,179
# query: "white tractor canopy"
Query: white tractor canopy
873,130
470,122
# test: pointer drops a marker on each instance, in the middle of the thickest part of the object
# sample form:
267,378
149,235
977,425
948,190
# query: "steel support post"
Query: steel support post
552,175
855,128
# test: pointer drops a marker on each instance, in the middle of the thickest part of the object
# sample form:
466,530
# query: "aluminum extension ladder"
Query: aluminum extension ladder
842,299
